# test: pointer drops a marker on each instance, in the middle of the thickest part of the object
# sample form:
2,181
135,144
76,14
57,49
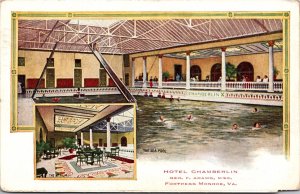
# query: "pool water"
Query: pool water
208,134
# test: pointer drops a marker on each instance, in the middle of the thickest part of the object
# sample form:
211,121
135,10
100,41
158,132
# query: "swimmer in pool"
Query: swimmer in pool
256,126
189,117
254,110
234,127
178,99
161,118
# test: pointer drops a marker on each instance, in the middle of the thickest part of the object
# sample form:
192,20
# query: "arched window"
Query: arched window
215,72
41,134
124,141
245,69
195,72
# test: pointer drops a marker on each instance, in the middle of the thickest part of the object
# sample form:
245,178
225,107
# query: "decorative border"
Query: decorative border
285,16
74,178
286,82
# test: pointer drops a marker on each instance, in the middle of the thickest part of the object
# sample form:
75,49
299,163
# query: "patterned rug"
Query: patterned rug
115,169
88,168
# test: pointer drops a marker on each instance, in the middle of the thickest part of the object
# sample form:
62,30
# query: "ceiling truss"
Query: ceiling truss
132,36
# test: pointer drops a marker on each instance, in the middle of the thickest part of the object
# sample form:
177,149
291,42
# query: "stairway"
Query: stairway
120,85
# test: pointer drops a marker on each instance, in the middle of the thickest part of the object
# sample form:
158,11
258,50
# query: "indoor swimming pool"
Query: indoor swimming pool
208,134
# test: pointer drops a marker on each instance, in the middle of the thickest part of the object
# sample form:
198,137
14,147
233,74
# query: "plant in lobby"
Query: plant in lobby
69,143
166,75
231,71
41,148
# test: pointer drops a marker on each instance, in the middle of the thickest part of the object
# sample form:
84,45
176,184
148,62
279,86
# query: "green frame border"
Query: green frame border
284,16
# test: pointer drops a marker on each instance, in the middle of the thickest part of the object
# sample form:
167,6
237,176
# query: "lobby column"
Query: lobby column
271,66
223,80
144,72
108,132
132,72
188,68
76,139
81,134
160,71
91,138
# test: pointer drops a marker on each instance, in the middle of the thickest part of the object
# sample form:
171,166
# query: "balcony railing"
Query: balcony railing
174,84
206,85
247,86
251,86
139,84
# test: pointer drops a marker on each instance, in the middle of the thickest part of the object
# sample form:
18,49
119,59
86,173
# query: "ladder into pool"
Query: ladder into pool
120,85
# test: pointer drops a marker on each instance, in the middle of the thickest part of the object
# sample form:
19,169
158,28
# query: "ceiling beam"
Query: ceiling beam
212,44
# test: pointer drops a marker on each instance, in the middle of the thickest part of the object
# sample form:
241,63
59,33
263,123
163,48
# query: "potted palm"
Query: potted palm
41,147
230,71
69,143
166,75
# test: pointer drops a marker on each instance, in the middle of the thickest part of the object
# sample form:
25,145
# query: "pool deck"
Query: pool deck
242,97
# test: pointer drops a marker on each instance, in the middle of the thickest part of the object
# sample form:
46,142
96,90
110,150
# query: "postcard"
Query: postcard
190,96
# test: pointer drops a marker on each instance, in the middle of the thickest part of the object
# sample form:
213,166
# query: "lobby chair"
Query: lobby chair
89,158
98,158
113,153
80,158
118,151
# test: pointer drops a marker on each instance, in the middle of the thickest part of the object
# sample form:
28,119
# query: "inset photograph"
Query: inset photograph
85,141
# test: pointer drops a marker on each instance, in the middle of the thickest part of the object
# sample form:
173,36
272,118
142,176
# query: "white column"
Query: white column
133,72
144,72
223,80
160,71
76,140
188,69
91,138
271,67
108,133
81,138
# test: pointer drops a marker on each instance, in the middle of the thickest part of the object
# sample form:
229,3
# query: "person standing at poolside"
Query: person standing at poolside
177,77
258,79
19,88
266,79
151,82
